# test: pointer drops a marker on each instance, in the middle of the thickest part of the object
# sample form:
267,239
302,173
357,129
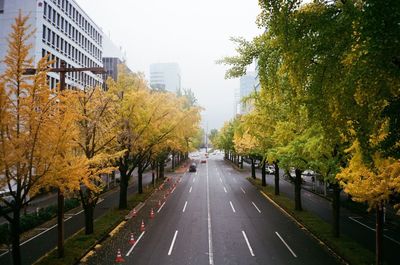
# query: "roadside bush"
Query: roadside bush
32,220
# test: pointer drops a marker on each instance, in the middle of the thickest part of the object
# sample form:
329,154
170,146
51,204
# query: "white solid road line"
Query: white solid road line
172,191
190,190
172,243
372,229
243,190
283,241
256,207
210,246
184,207
81,211
134,245
233,209
225,190
248,244
162,205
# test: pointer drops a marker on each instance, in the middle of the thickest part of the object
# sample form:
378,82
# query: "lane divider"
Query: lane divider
287,246
233,209
248,244
322,243
184,207
172,243
134,245
190,190
225,190
256,207
242,190
159,209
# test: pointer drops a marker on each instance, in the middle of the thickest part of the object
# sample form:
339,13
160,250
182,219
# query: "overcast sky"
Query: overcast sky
192,33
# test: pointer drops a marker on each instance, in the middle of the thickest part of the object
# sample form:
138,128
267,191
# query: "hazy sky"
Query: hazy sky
191,33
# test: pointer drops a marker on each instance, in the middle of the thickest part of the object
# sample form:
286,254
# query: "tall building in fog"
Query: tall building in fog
112,57
247,86
165,76
63,30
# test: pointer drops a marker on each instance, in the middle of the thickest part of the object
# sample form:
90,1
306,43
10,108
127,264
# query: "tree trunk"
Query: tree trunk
336,210
89,216
153,173
276,174
162,170
241,162
297,190
263,174
173,162
253,169
15,230
140,178
379,235
123,190
60,223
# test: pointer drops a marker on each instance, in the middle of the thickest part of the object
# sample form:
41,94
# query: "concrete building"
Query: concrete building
62,30
247,86
165,76
112,57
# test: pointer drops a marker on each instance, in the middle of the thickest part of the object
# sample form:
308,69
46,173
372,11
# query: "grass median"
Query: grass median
344,246
79,244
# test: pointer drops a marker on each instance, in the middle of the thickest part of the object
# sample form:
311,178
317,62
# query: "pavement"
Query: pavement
212,216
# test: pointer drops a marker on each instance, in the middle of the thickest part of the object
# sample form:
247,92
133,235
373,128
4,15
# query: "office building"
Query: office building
247,86
113,56
63,31
165,76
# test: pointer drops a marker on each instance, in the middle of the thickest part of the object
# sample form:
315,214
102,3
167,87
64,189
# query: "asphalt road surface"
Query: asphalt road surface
213,216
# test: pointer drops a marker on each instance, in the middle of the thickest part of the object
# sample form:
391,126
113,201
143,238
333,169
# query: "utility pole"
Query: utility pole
62,70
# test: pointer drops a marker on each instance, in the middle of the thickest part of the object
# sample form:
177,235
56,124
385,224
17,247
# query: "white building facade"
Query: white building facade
63,31
165,76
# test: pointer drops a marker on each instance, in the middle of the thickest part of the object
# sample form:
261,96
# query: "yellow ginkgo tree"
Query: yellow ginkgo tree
35,139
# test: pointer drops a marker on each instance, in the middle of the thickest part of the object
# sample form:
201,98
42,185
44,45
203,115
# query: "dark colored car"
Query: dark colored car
192,168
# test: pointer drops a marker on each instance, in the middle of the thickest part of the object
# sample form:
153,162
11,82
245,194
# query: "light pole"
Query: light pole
62,70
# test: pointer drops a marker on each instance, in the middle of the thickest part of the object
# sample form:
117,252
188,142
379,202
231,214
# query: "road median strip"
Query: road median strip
79,245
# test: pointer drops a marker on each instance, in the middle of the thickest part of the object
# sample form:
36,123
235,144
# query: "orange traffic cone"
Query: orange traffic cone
134,212
119,258
132,240
142,228
151,213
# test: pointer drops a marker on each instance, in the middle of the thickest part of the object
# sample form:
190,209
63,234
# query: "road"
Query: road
34,248
213,216
360,228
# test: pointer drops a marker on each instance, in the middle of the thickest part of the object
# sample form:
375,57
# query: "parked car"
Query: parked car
270,169
203,161
193,167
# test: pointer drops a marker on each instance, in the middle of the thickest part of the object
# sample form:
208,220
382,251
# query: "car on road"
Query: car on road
203,161
193,167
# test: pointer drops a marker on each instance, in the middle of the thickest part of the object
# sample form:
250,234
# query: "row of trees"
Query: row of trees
67,140
329,99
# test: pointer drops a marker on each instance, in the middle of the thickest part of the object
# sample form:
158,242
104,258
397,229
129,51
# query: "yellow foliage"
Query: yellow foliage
373,183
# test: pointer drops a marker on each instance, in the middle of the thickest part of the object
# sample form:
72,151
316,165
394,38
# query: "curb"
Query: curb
298,223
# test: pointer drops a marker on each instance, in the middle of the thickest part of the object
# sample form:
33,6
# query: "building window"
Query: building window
48,35
43,33
44,9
